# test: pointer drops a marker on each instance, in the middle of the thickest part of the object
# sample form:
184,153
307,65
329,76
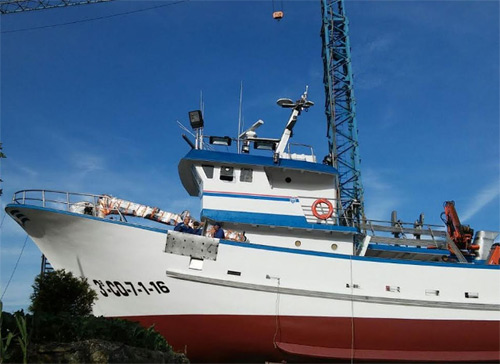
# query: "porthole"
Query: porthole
288,180
226,173
298,243
334,246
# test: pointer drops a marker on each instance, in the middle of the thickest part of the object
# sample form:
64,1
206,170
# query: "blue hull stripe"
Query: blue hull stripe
264,247
254,218
355,258
252,197
90,217
384,247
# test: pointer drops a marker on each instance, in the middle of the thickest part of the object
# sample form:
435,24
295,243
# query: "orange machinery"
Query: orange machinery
460,234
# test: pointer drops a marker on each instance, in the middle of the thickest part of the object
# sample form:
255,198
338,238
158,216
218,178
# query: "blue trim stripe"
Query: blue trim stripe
260,246
282,250
257,160
385,247
48,209
251,197
254,218
354,257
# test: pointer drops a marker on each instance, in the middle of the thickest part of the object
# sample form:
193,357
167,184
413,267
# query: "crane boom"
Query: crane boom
460,234
340,109
17,6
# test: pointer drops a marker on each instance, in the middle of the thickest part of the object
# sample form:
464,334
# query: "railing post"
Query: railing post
67,201
43,198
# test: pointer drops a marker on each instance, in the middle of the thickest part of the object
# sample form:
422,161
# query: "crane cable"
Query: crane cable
278,14
92,19
281,7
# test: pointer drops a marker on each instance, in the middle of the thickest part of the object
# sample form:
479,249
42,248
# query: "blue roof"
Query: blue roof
257,160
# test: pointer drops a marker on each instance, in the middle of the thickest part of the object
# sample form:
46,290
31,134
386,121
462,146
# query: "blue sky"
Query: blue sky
92,107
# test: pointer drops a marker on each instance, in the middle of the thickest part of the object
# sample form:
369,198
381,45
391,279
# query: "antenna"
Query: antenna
185,129
240,126
250,132
199,131
202,103
297,107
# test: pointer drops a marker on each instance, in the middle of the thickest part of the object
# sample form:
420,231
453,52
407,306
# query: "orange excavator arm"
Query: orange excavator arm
460,234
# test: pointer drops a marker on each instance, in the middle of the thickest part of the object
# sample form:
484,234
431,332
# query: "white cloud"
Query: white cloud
484,197
380,44
367,76
87,163
381,197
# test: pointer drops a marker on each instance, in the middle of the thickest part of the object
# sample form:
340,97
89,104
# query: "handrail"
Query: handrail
95,205
300,145
69,199
44,198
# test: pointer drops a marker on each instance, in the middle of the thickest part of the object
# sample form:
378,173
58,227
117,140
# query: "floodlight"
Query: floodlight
196,119
225,140
264,145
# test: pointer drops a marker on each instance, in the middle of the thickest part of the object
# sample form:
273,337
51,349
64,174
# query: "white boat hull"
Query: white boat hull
262,302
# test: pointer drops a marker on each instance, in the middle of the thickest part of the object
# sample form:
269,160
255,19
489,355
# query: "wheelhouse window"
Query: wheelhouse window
246,175
209,170
226,173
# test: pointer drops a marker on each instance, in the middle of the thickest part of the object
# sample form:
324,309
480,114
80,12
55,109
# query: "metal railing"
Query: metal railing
400,231
307,146
59,200
404,233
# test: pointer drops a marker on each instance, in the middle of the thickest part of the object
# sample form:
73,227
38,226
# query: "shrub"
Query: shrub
5,338
60,292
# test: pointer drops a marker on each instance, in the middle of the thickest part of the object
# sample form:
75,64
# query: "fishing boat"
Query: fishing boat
292,278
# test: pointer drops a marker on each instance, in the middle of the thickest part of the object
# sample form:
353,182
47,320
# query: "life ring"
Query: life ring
327,214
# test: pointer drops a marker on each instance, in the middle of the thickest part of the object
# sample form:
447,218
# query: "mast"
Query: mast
342,131
240,126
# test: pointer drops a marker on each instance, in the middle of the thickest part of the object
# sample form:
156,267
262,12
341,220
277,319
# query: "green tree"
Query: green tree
60,292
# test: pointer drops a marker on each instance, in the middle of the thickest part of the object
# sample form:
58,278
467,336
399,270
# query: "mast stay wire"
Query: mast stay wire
3,218
96,18
15,267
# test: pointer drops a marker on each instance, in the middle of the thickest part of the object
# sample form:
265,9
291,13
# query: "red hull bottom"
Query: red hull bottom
234,338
